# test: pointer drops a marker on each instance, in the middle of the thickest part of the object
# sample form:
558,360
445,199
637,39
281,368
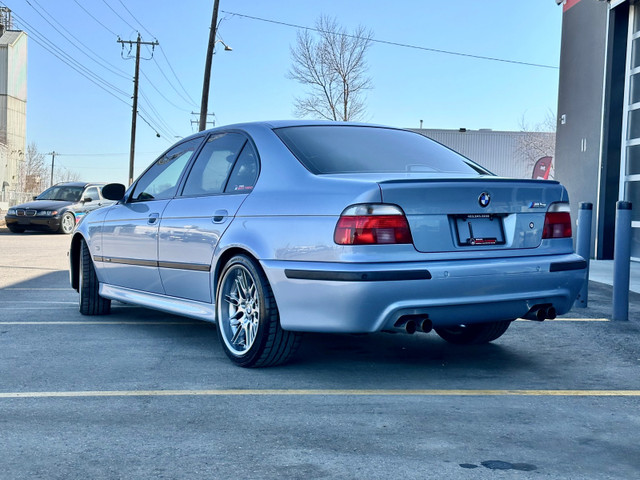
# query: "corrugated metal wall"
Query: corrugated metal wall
507,154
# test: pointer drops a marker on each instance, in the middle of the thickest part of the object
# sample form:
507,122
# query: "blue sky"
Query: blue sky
90,127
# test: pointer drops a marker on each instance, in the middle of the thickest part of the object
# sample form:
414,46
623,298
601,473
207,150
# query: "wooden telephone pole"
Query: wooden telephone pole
204,105
134,115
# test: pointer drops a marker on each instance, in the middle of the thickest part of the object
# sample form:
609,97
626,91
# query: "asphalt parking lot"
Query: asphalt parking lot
142,394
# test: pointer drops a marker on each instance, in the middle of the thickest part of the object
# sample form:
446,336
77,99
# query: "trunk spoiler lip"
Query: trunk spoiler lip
470,180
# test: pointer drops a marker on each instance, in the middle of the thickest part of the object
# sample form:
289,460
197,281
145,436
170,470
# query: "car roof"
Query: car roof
79,184
273,124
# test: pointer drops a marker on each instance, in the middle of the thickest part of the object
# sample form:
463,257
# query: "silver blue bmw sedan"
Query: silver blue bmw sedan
272,229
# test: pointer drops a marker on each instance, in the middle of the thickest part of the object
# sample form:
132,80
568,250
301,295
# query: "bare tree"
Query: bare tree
35,172
538,141
32,170
333,66
62,174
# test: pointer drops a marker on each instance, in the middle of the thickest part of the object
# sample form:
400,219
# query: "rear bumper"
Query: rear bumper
339,297
34,223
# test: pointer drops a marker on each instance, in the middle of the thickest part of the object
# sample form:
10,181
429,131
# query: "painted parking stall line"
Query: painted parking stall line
99,322
562,320
324,392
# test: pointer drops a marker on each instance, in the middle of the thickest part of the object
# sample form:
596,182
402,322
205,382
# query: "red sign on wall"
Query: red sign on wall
568,4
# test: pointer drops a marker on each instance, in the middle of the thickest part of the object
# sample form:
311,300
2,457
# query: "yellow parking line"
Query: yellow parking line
33,289
24,267
46,302
570,320
325,392
97,322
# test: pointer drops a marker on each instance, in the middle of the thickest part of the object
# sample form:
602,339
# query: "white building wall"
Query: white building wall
13,104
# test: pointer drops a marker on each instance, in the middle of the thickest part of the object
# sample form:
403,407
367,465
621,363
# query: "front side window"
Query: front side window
160,182
211,169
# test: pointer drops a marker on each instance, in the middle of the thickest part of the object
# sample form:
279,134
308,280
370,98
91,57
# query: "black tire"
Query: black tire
473,334
91,303
14,229
248,320
67,223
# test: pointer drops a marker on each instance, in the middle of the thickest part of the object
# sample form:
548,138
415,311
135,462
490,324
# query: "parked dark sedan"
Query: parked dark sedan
56,209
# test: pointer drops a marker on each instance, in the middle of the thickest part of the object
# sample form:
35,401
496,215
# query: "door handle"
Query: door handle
220,216
153,218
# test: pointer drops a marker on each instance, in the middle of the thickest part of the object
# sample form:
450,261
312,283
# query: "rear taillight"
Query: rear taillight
372,224
557,222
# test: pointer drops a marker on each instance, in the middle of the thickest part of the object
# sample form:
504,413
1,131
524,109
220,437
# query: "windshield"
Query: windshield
61,192
324,149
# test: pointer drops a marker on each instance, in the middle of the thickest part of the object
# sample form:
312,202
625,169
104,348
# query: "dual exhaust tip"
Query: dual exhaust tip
411,323
541,313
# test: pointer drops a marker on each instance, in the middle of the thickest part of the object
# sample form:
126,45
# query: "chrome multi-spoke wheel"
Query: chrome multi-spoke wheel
247,317
240,310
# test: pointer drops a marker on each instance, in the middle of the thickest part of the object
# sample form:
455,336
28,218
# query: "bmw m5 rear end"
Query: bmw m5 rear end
276,228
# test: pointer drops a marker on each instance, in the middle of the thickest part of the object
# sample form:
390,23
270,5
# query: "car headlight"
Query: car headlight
47,213
11,211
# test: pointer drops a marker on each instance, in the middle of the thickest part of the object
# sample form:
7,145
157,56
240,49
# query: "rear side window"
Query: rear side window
211,169
245,172
325,149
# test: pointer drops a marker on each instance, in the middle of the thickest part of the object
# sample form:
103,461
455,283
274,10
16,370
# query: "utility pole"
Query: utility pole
53,159
211,122
134,115
207,67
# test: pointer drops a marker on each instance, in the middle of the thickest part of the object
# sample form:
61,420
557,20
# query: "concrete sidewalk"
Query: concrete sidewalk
600,293
601,271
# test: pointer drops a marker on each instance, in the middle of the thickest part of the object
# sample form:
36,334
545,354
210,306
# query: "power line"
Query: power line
120,16
98,21
398,44
191,100
159,120
165,135
100,61
137,21
161,94
98,80
67,59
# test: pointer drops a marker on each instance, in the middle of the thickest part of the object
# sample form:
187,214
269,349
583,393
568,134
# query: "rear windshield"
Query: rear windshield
326,149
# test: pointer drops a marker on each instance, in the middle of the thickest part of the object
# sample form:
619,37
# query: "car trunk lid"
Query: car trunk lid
490,214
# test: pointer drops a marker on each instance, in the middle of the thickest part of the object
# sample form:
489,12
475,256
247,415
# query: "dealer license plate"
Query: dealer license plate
479,229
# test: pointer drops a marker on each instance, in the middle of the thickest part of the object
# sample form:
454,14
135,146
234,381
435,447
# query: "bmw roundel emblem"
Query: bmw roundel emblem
484,199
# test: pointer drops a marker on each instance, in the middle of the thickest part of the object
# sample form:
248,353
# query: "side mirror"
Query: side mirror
113,191
35,197
87,200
